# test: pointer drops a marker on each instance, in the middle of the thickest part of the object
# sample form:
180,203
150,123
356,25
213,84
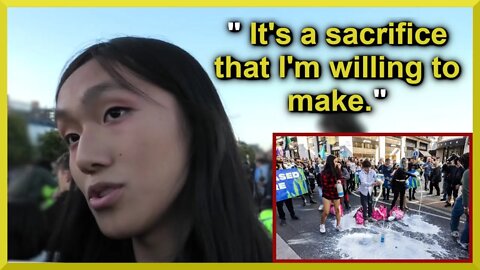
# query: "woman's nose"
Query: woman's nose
92,153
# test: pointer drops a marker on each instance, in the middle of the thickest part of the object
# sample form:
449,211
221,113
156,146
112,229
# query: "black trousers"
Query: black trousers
289,204
386,193
434,184
398,190
367,206
411,193
346,197
351,183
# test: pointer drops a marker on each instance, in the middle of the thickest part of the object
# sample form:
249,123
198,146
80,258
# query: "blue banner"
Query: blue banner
322,152
290,184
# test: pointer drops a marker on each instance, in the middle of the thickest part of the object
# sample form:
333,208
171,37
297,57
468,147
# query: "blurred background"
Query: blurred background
34,171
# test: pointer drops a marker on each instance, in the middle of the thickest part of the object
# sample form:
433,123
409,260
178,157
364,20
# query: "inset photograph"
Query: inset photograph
372,197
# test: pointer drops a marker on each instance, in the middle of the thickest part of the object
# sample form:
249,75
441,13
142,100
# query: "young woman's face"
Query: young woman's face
128,152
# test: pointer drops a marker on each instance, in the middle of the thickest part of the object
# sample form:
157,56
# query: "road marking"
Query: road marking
284,251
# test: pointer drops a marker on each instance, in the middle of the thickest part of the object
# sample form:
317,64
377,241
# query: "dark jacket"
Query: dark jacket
345,174
449,173
401,175
436,175
457,177
386,171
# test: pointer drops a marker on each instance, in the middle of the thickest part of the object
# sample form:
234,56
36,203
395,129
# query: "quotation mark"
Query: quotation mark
380,93
234,26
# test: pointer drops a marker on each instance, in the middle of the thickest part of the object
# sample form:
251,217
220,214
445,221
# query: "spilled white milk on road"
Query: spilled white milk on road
397,244
417,224
307,238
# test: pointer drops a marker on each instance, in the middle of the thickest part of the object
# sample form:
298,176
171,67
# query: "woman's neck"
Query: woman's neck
166,241
163,245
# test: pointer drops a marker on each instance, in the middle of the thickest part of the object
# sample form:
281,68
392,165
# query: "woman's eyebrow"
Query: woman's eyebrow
62,115
89,98
96,91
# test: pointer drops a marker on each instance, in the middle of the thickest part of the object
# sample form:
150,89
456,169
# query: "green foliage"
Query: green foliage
19,147
245,150
51,146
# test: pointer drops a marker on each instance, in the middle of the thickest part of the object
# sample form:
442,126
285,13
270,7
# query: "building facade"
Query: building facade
39,120
447,146
373,147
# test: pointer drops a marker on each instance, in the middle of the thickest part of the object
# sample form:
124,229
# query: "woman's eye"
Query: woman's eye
71,138
115,113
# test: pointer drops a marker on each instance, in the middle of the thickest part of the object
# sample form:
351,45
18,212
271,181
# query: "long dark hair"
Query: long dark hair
225,227
330,168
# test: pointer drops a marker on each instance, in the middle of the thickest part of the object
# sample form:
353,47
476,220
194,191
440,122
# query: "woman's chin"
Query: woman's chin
115,230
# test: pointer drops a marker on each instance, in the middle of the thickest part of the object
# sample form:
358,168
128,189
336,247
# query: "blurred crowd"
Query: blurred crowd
399,181
38,191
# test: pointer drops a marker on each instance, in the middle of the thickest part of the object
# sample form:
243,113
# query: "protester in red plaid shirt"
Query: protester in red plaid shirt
331,174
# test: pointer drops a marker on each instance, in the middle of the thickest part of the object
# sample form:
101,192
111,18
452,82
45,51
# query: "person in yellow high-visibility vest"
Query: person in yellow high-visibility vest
265,218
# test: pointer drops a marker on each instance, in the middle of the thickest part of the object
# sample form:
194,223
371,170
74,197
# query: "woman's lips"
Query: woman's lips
104,195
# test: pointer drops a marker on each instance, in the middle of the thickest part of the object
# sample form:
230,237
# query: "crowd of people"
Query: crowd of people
39,195
35,198
393,180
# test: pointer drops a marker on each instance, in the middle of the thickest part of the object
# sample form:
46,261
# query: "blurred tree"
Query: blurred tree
19,147
247,156
51,146
247,153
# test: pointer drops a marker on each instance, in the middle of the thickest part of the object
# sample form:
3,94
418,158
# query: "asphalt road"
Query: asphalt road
424,233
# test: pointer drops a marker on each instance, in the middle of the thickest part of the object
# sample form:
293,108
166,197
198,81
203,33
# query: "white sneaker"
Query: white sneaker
322,228
338,228
320,208
455,234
